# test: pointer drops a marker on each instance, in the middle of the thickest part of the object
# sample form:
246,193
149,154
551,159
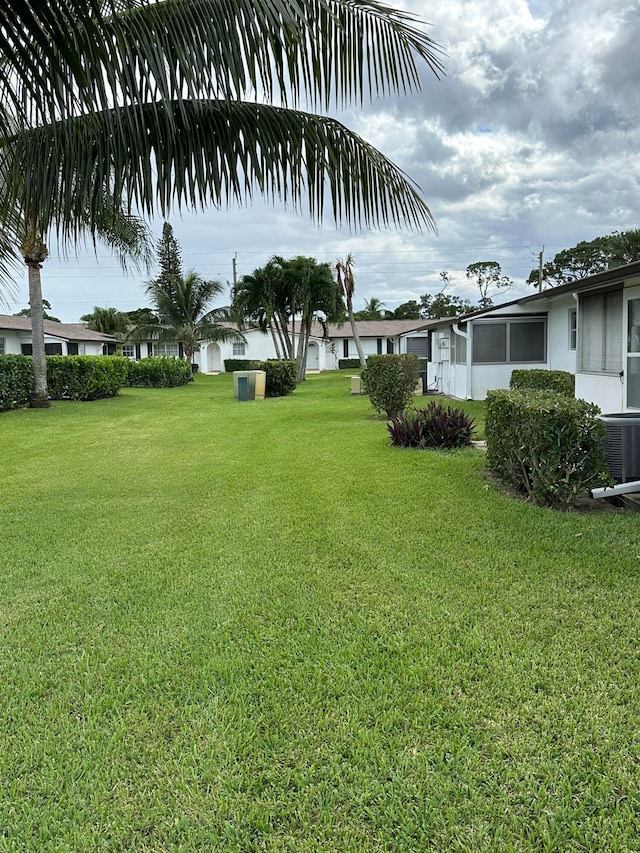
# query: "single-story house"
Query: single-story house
59,338
256,346
259,346
324,352
590,327
381,336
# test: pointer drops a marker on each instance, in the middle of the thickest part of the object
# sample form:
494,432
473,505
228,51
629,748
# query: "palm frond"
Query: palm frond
221,152
85,54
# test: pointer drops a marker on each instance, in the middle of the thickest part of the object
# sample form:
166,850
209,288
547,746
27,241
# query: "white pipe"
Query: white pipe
611,491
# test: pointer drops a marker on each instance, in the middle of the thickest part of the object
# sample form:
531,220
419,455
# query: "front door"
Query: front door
632,360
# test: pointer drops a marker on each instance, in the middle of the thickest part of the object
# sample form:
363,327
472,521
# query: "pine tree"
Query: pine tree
169,255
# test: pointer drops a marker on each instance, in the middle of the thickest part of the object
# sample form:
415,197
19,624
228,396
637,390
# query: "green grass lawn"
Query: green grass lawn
257,627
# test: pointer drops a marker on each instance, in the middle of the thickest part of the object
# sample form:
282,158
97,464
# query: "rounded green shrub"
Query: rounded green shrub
549,446
390,381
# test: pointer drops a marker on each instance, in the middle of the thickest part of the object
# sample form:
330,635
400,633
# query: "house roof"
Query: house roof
608,278
376,328
66,331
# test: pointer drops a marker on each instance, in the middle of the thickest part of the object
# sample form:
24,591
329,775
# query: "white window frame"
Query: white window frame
573,328
166,350
2,346
129,350
239,348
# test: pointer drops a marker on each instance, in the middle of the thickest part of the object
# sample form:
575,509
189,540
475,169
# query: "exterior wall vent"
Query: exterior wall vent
623,445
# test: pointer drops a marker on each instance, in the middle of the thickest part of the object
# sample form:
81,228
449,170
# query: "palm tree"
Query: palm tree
111,100
259,300
95,93
346,288
183,307
314,296
126,234
110,321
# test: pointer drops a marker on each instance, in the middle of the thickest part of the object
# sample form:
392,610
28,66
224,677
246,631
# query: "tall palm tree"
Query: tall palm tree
258,299
183,304
346,288
127,235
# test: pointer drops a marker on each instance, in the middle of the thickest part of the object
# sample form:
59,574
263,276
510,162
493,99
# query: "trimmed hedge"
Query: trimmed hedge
156,372
231,364
549,446
560,381
390,382
85,377
280,379
15,381
348,364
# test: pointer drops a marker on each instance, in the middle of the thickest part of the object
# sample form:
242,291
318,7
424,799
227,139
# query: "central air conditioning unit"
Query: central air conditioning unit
623,445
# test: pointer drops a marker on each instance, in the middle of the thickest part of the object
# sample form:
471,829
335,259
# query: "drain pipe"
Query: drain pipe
612,491
458,331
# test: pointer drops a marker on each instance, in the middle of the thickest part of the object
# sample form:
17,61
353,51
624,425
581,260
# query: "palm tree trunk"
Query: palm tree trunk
34,252
274,338
356,336
303,342
39,392
284,333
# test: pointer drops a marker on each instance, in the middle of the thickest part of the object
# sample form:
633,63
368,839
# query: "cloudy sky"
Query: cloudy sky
531,142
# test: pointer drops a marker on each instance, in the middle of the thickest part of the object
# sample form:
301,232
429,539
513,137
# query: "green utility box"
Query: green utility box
249,384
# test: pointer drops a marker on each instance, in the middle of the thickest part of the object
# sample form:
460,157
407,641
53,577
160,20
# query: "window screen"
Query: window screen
601,332
526,341
489,343
458,349
418,346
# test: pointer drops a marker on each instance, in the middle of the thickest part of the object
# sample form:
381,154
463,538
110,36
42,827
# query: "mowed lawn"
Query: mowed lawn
257,627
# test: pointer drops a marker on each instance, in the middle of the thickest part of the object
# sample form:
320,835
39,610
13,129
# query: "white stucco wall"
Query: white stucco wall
13,341
605,391
258,347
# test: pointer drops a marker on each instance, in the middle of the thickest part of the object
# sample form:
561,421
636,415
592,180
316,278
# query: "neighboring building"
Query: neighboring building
259,346
380,336
59,338
324,353
590,327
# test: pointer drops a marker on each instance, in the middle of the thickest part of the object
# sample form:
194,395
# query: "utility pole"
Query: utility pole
540,256
235,271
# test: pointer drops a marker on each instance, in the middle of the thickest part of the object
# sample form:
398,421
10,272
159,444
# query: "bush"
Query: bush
85,377
349,364
231,364
390,382
158,373
433,427
549,446
15,381
560,381
281,377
